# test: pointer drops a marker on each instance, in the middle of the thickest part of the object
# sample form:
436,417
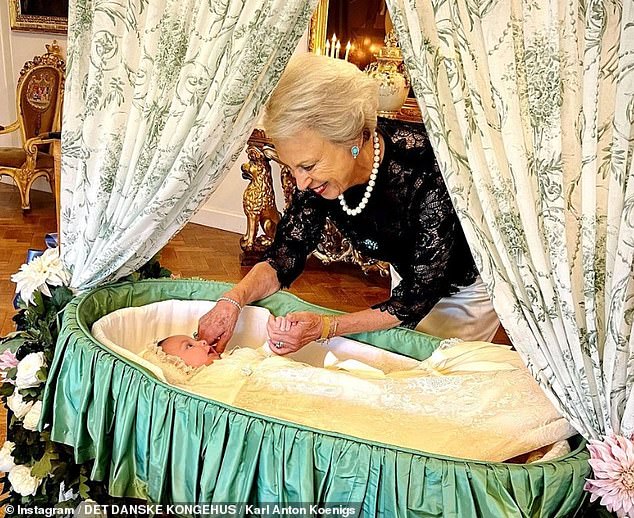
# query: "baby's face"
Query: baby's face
193,352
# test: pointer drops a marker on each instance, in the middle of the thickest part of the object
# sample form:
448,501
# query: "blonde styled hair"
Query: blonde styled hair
326,95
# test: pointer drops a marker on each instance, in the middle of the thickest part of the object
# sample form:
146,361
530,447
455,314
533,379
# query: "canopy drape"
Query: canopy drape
530,109
160,99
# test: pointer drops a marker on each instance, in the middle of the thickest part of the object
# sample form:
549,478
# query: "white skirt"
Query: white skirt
467,314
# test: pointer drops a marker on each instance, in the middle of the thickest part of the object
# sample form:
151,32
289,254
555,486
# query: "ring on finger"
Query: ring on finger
278,345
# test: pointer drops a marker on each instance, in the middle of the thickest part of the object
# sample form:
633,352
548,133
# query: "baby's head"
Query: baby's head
194,353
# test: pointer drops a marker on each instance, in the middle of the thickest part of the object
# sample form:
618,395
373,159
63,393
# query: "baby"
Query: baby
198,353
194,353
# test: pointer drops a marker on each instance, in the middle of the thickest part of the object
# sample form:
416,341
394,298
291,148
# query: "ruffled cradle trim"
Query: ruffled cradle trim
151,440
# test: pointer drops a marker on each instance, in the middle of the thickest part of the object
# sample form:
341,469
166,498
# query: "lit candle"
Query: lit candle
338,49
327,48
333,45
347,51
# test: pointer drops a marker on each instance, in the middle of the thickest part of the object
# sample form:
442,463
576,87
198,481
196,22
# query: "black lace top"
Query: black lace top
409,221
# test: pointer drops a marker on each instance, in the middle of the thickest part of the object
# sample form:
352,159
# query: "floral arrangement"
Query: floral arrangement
38,275
37,470
35,467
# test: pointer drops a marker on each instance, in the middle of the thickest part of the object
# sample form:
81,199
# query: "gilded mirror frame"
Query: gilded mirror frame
35,23
318,26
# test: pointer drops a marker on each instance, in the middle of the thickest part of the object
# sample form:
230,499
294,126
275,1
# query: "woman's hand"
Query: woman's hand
217,325
292,332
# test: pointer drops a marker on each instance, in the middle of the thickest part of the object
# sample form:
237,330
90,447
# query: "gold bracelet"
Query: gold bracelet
333,328
325,327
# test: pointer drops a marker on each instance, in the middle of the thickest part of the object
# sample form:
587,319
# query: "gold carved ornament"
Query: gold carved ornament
258,202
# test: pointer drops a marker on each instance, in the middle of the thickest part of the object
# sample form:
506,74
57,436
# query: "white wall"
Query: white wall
223,209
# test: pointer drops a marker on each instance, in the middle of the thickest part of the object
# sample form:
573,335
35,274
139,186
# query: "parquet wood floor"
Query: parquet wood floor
196,251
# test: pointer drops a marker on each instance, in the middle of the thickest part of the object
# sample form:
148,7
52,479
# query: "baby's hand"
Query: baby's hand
290,333
280,324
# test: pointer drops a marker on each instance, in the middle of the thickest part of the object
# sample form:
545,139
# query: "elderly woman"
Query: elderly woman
381,186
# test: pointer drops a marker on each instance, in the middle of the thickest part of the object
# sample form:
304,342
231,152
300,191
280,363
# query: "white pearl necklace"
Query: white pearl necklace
371,182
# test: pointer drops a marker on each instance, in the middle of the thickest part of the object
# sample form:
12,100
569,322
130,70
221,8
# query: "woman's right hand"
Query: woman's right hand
217,325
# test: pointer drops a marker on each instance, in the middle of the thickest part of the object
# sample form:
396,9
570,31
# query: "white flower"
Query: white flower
33,417
28,367
6,458
28,281
65,495
42,272
22,481
17,404
58,275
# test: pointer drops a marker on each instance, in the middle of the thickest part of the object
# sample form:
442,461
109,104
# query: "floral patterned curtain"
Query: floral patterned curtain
160,99
530,108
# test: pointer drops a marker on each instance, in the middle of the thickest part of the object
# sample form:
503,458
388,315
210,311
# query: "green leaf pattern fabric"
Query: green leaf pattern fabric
160,99
530,109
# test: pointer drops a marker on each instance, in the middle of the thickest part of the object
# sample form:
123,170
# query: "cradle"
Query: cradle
467,400
150,440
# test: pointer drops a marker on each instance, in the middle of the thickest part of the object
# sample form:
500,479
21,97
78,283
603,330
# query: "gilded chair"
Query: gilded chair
39,107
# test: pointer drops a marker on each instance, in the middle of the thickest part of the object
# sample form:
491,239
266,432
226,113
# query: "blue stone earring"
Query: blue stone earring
355,151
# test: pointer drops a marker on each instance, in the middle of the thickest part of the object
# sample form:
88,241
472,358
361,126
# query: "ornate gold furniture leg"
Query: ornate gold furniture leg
56,182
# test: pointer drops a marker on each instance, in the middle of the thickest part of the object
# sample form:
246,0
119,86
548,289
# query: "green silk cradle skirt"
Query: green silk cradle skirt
152,441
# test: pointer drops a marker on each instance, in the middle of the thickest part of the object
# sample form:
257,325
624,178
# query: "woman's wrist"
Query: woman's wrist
365,321
238,294
234,301
329,326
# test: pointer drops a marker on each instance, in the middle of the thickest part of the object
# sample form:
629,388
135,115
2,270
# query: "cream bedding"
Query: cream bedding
471,400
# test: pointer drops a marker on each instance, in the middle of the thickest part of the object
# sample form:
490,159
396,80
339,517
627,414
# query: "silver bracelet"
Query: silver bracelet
230,300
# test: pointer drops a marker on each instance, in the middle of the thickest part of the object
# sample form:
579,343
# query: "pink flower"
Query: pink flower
7,361
612,461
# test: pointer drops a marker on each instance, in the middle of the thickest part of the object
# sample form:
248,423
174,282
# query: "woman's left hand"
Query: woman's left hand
292,332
